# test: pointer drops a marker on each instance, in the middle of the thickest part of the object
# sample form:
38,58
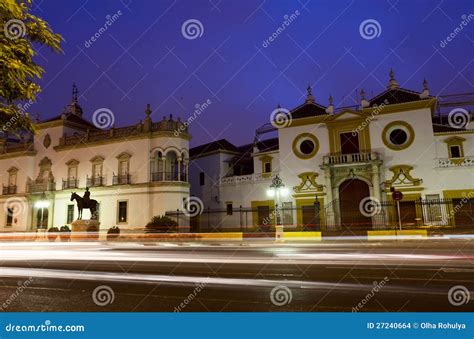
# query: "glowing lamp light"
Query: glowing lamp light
284,192
271,193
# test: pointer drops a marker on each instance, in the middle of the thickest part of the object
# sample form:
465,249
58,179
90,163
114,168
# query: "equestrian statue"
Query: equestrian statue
85,202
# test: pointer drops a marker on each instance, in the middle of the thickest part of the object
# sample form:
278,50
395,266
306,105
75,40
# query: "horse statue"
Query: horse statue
81,204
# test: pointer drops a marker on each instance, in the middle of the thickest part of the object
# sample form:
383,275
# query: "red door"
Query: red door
351,192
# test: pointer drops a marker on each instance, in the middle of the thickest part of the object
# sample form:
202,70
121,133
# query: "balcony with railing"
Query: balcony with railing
11,189
38,187
95,181
122,179
247,179
351,158
455,162
168,176
70,184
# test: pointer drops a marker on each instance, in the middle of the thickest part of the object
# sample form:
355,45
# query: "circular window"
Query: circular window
305,146
398,135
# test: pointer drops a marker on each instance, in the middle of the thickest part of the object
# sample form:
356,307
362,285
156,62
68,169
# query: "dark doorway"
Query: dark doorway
310,217
351,192
349,143
408,212
264,220
463,212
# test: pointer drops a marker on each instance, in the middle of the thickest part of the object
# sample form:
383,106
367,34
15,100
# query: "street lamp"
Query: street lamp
277,189
42,204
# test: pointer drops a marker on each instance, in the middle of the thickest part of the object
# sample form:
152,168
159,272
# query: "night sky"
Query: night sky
143,57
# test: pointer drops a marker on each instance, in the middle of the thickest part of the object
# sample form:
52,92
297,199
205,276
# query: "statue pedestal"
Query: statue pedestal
79,229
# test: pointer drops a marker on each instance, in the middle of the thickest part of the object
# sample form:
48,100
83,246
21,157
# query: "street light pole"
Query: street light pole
277,189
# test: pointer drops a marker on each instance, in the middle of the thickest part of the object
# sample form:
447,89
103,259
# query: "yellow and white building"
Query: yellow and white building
134,172
339,167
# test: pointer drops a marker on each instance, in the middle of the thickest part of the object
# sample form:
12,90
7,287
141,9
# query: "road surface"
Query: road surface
346,275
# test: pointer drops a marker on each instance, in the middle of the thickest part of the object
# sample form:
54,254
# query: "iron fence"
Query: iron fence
442,213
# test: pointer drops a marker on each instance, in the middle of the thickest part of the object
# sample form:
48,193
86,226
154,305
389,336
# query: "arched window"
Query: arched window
171,166
157,167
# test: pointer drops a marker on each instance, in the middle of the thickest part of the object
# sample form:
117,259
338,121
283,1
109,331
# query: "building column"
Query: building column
163,170
179,169
329,206
377,219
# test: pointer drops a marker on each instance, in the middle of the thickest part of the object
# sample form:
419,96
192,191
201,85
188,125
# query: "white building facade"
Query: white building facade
134,172
340,168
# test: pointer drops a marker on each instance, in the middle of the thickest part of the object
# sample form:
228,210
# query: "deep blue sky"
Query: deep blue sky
144,58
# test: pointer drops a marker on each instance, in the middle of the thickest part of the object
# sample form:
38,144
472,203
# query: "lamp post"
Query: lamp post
277,189
42,204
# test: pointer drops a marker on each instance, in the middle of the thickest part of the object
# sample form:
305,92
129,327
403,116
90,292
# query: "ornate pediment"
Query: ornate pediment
308,183
402,177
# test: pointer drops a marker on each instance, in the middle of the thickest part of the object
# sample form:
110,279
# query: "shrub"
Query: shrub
53,233
161,224
113,233
64,233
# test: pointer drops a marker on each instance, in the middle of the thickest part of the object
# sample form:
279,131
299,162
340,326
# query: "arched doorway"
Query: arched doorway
351,192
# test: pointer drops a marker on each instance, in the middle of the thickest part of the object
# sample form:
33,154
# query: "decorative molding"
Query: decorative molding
308,183
402,177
